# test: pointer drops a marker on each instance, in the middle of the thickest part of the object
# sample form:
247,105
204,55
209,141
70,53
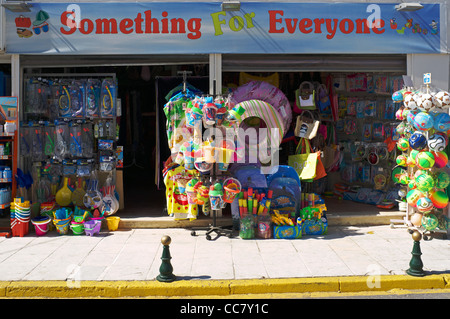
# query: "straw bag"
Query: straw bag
304,163
331,152
306,126
305,97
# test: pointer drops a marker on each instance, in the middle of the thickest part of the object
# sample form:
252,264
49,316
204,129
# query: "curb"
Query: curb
223,288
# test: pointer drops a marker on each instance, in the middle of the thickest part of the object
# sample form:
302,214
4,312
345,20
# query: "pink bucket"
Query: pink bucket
41,225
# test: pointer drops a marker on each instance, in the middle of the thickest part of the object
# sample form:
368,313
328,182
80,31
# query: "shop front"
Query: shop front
122,89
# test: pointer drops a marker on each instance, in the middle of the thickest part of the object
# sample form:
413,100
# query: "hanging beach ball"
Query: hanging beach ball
442,180
409,101
402,144
396,173
440,159
439,198
426,102
399,114
397,96
401,160
430,222
442,99
400,129
425,182
423,121
413,154
441,122
425,160
419,172
436,143
411,115
417,141
413,197
424,205
416,219
404,179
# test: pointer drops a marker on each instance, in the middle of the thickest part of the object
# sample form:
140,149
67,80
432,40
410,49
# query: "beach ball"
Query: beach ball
411,115
402,192
417,141
426,102
410,162
423,121
416,219
424,205
436,143
424,182
403,144
396,173
442,180
439,198
401,160
413,197
399,114
397,96
419,172
430,222
400,129
425,160
409,101
441,122
404,179
413,154
440,159
442,99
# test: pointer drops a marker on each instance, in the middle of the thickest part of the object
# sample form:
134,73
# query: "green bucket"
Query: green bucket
77,228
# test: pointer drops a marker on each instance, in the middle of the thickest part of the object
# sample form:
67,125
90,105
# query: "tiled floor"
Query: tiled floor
135,255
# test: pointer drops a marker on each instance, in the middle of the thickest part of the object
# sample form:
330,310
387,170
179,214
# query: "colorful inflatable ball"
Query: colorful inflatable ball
396,173
416,219
400,129
399,114
401,160
424,182
403,144
442,99
417,141
441,122
442,180
423,121
425,160
439,198
424,205
411,115
430,222
409,101
397,96
436,143
413,197
404,179
440,159
426,102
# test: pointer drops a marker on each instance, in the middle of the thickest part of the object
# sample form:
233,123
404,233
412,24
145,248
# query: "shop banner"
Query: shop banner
203,28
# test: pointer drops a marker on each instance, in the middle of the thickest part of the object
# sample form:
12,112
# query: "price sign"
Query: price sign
427,78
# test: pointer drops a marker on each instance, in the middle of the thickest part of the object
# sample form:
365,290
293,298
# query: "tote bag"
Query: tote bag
306,126
305,97
304,164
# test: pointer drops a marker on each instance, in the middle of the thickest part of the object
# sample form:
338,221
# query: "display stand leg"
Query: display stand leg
213,228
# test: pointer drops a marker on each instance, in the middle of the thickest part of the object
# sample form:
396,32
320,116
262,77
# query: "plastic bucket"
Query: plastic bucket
231,187
41,224
113,222
62,225
77,228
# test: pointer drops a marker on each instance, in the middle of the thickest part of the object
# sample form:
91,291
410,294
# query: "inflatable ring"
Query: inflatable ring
267,113
260,90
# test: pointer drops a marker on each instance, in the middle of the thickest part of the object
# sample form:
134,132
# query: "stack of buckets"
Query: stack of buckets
61,219
20,217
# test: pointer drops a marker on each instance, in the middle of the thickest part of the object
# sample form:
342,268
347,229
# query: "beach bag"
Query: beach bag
331,152
306,126
323,101
304,163
305,97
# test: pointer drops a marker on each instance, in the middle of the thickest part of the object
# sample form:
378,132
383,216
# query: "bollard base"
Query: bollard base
167,278
415,273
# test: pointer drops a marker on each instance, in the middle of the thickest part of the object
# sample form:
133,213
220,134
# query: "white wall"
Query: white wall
436,64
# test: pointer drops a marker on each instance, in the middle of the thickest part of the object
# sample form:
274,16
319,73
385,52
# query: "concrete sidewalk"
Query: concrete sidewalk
133,257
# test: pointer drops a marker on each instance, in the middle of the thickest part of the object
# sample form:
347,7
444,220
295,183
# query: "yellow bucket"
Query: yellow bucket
113,222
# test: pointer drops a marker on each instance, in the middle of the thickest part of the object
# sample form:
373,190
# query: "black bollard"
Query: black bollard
166,269
416,264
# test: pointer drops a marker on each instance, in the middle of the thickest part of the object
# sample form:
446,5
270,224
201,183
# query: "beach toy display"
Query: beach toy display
423,141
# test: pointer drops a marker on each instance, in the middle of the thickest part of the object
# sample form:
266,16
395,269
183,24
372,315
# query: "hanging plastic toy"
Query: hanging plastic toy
108,98
93,90
64,102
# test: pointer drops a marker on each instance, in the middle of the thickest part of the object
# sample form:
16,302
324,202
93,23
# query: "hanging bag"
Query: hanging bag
323,101
305,97
304,163
306,126
331,152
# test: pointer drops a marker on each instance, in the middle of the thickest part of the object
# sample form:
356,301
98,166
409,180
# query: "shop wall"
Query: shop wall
436,64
